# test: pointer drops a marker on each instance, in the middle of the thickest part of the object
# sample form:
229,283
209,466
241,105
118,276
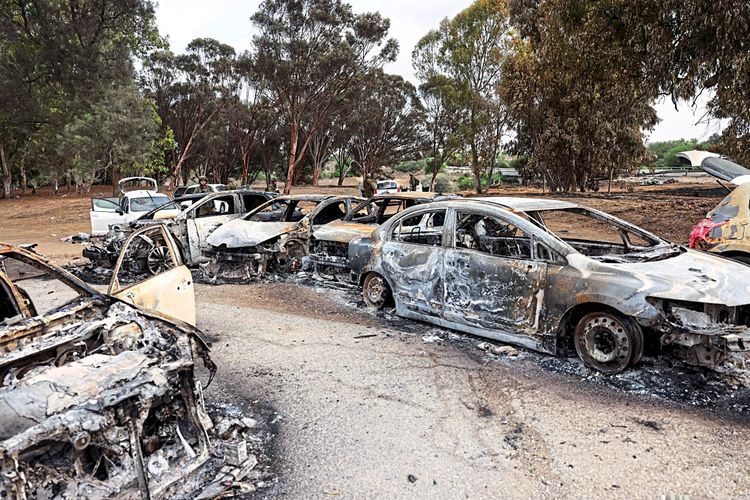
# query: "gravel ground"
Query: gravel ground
369,408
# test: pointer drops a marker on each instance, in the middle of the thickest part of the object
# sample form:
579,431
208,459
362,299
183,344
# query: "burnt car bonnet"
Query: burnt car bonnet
692,276
241,233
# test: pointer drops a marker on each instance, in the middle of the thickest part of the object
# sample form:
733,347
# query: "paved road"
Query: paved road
370,409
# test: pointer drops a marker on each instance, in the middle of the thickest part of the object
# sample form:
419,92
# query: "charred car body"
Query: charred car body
549,275
98,397
190,220
275,236
724,231
329,246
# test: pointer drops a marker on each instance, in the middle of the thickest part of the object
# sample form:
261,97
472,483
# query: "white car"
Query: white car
131,205
193,188
387,187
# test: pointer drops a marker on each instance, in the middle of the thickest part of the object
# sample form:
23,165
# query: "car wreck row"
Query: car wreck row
548,275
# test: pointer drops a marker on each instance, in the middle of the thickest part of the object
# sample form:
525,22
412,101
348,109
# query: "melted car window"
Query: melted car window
492,236
217,206
332,212
44,292
421,229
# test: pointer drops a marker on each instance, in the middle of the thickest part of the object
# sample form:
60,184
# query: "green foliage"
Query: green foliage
466,183
443,184
576,91
413,166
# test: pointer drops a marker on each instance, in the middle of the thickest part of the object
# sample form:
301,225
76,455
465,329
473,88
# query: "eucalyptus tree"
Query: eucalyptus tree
307,53
386,125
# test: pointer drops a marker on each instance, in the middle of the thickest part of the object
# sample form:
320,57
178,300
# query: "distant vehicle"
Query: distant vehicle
193,188
387,187
135,200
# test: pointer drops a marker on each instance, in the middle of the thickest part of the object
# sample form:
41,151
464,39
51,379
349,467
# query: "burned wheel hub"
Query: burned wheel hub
375,291
605,342
159,260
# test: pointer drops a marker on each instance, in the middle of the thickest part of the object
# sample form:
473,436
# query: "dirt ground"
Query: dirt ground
368,405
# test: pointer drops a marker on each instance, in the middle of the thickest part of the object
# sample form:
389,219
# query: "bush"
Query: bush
443,184
412,166
466,183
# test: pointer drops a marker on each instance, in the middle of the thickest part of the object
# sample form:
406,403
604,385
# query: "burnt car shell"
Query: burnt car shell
695,304
275,235
330,243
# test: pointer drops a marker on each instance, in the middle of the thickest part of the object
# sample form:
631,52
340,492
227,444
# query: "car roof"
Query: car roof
524,204
308,197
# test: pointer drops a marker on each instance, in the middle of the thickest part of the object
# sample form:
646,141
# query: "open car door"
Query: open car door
150,274
105,212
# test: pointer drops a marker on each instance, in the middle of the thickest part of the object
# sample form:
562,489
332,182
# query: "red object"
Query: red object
701,231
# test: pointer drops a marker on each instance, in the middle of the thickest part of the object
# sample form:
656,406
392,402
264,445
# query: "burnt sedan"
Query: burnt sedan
275,236
330,243
550,275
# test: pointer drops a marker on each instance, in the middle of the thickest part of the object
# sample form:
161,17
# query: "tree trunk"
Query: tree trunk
24,183
315,172
292,170
7,178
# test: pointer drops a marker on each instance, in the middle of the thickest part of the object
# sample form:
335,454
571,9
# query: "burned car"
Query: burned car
550,275
723,231
329,246
98,396
275,236
189,220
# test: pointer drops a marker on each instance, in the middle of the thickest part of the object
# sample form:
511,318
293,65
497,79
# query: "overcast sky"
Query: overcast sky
229,22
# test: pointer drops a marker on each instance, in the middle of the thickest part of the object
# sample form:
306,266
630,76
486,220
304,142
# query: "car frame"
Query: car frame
80,379
251,248
329,246
608,307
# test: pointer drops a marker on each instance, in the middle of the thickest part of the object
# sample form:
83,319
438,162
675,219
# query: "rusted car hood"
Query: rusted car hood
343,232
692,276
241,233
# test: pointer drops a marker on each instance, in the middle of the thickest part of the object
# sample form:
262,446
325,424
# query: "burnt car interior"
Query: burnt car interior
332,212
601,238
421,229
284,211
216,206
491,236
379,211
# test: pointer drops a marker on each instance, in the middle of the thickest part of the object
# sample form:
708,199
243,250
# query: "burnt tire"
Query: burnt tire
376,292
608,342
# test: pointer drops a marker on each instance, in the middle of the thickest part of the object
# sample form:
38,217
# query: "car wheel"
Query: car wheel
159,260
608,342
375,291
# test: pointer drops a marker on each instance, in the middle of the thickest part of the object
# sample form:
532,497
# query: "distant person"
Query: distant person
369,187
413,182
203,185
274,188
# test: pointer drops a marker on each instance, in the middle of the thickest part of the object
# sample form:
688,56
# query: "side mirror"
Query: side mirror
184,205
119,211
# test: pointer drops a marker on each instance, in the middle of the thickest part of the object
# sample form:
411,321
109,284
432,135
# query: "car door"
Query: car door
170,290
493,281
412,256
204,218
105,212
